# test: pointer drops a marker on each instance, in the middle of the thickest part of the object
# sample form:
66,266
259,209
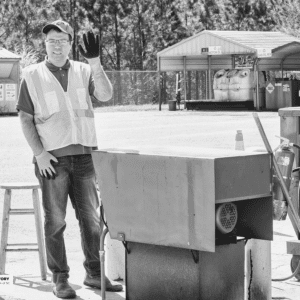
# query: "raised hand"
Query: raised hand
91,45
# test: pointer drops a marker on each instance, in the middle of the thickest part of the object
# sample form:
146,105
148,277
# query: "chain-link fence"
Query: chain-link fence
196,85
141,87
132,88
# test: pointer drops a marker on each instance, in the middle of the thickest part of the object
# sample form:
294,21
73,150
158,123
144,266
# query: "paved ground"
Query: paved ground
132,130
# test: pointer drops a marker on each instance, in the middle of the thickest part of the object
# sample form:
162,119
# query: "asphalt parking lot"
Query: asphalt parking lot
134,130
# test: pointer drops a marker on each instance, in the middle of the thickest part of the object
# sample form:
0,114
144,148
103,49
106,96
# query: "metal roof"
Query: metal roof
257,39
285,50
5,54
231,42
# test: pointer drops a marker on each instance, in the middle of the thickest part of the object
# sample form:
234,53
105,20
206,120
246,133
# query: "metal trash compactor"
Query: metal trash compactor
184,216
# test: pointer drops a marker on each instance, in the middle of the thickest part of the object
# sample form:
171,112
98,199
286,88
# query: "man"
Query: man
57,120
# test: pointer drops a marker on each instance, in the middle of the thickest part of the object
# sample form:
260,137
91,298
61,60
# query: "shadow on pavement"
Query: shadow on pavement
27,282
32,283
282,234
108,294
35,283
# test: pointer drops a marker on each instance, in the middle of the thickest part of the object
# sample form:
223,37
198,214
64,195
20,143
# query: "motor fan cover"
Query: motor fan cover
226,217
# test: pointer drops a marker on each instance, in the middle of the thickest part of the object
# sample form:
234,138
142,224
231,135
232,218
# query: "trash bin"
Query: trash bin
172,105
9,81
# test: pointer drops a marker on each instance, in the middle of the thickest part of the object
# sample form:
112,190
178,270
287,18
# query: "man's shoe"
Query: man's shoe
61,288
95,282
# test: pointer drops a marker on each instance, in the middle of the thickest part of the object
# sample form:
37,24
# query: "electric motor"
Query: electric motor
226,217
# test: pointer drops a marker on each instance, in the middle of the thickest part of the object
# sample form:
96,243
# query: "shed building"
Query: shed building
216,50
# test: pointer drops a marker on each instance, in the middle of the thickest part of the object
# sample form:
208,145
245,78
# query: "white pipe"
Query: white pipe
257,86
115,259
184,76
258,270
209,77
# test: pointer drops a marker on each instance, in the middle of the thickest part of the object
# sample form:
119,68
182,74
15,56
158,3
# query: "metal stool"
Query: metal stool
7,211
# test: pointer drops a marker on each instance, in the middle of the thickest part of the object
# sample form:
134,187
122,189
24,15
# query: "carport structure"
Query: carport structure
212,50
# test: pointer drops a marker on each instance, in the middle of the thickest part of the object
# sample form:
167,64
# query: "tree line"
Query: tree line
133,31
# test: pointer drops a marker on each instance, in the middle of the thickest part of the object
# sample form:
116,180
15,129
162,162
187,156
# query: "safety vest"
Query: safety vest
62,118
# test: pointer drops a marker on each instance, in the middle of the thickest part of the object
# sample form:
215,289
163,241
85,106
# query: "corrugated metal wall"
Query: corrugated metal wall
193,45
232,43
223,62
194,63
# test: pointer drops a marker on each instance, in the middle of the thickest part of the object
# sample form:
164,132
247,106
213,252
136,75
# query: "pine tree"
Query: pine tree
72,12
286,15
93,11
206,14
247,15
23,21
167,27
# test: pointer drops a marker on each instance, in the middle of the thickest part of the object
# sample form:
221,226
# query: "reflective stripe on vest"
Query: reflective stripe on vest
62,118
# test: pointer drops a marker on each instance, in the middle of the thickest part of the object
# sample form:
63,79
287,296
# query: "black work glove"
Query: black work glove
91,45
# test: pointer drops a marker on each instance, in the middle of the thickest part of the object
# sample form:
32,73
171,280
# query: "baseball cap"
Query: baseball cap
60,25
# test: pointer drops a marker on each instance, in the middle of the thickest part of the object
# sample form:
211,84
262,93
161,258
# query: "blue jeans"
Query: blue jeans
75,178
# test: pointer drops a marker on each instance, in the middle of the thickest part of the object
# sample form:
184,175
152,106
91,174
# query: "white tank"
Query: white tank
220,85
241,84
235,85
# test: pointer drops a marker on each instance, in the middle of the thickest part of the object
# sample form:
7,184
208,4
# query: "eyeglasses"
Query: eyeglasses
60,42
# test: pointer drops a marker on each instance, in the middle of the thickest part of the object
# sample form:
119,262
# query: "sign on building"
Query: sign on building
212,50
264,52
243,61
